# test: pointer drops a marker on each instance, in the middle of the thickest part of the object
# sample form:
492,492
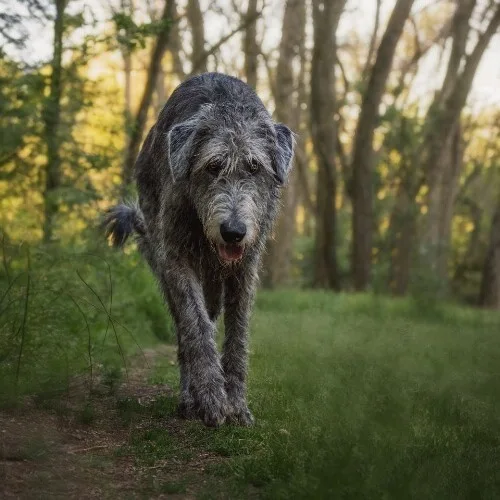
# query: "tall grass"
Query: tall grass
362,397
67,312
355,396
358,396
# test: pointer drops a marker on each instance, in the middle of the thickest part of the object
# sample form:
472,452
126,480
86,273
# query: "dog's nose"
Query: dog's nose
233,232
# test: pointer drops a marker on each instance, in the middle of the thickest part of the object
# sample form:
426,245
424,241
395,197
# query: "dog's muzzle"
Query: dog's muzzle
233,233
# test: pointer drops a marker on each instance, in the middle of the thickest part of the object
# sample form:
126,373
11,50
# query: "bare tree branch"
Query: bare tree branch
373,42
214,48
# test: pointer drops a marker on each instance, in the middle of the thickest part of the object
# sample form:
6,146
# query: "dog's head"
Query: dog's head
234,159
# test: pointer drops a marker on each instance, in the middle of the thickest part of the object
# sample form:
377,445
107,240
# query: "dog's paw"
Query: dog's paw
240,415
212,406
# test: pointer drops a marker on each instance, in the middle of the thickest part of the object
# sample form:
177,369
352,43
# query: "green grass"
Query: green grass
362,397
355,396
66,312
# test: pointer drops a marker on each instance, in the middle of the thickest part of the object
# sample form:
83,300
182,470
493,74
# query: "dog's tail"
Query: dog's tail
123,220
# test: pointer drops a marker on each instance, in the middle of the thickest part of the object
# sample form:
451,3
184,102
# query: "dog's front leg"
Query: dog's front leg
198,355
239,297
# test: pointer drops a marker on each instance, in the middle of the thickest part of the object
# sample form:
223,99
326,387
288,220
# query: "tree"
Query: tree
195,19
175,48
441,123
326,16
280,247
124,21
490,283
362,158
201,62
139,121
250,45
51,118
436,161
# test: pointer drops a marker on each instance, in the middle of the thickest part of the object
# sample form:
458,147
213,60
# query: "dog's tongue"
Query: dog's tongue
230,252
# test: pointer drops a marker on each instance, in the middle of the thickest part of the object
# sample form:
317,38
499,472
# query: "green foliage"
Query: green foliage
20,121
68,312
371,398
427,289
354,396
304,254
133,36
399,399
173,487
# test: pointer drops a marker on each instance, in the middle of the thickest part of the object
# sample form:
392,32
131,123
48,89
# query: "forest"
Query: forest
395,186
390,218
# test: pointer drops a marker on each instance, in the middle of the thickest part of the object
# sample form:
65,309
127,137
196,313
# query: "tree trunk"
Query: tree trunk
127,69
174,47
160,93
280,249
195,19
250,45
52,117
460,28
448,192
302,119
362,160
127,8
140,118
402,229
326,16
404,218
490,283
373,42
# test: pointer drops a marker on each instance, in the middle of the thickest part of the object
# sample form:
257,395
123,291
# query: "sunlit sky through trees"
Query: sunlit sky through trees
356,25
407,163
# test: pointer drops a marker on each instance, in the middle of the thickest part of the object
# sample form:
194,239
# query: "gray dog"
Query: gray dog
209,177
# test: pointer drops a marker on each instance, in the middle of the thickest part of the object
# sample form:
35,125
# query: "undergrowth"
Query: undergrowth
355,396
71,312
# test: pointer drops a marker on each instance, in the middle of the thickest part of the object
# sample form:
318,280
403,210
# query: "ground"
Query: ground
355,397
76,445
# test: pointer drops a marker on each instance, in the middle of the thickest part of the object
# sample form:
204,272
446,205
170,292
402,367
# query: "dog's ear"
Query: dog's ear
179,143
284,152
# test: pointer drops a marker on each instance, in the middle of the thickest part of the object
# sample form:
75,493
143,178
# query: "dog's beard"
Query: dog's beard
228,253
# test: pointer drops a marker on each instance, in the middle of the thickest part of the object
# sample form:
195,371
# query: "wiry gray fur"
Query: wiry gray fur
213,157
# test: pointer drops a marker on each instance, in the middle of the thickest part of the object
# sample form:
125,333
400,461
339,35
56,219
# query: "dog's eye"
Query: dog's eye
214,167
254,167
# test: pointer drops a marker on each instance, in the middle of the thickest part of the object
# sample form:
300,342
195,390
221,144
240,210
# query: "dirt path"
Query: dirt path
76,446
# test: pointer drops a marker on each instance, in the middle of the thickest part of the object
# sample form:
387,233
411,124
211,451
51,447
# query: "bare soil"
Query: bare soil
71,445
